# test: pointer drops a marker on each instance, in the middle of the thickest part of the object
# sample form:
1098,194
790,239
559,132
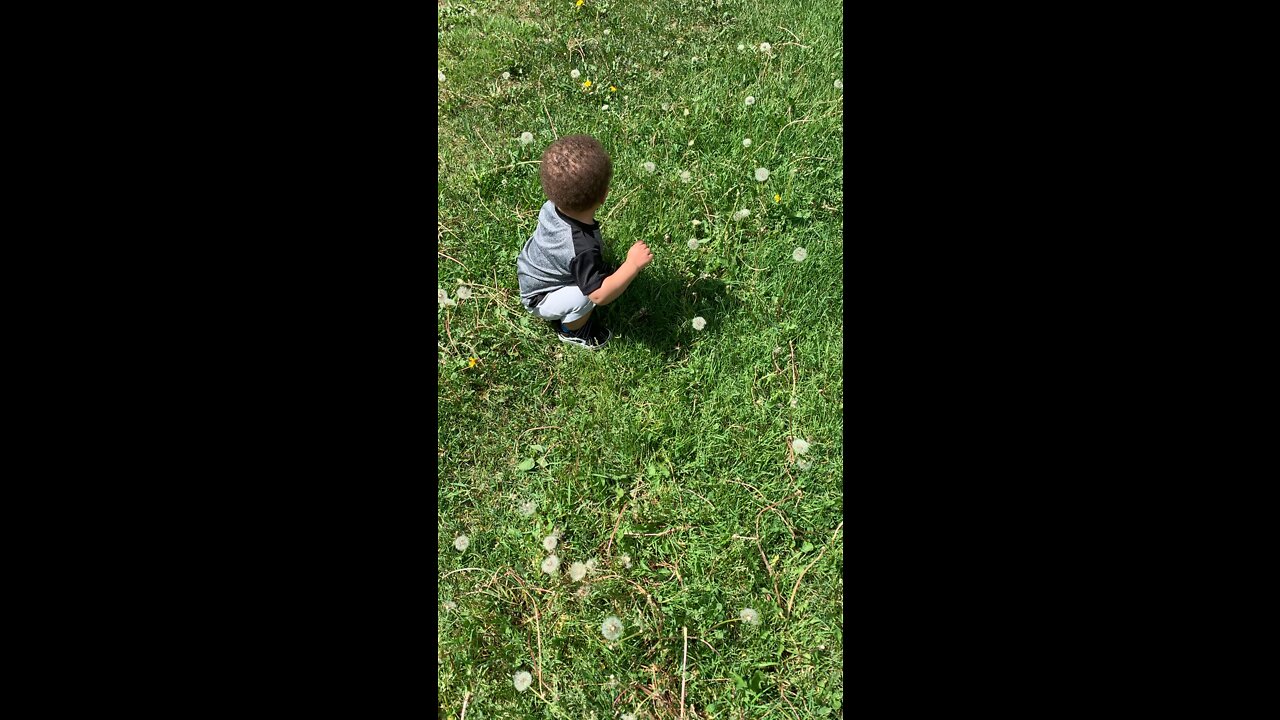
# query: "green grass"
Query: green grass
671,445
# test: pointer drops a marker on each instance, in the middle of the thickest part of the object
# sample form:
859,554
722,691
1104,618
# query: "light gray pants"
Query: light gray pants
566,305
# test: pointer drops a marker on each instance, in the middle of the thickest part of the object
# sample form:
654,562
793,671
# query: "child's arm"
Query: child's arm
614,285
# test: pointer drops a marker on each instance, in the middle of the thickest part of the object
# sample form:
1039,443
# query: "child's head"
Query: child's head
575,173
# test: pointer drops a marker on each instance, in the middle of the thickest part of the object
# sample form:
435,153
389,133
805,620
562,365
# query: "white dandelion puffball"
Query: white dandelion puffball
799,254
449,605
604,107
766,47
551,565
804,465
690,143
762,174
749,616
506,76
442,297
521,680
606,31
611,628
741,214
575,74
528,507
591,565
699,323
800,446
695,223
464,293
686,112
741,47
746,142
750,100
650,167
693,243
440,76
577,571
839,85
462,542
685,176
626,560
526,138
549,542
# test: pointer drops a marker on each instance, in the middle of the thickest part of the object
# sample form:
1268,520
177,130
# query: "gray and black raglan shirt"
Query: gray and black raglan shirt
562,251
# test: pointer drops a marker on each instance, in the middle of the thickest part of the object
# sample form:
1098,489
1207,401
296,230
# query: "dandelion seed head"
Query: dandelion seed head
604,107
838,85
749,616
449,605
690,143
800,446
526,138
693,243
583,591
464,293
699,323
762,174
591,565
551,565
741,47
442,298
746,142
650,167
804,465
577,571
696,223
685,176
521,680
461,543
750,100
506,76
799,254
528,507
686,112
606,31
549,542
766,47
440,76
611,628
741,214
575,74
626,560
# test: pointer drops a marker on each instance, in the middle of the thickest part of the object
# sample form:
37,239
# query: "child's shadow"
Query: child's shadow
660,304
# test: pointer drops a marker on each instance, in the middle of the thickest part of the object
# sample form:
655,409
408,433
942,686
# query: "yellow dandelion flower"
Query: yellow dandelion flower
471,362
777,197
579,3
613,88
586,83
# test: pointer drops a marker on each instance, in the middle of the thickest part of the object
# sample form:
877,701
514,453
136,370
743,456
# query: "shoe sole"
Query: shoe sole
578,341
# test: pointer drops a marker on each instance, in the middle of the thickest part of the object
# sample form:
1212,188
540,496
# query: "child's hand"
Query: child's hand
639,255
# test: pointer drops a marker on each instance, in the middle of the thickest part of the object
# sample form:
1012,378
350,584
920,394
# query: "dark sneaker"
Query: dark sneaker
590,336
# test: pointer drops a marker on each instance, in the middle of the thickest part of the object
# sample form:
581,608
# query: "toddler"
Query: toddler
562,273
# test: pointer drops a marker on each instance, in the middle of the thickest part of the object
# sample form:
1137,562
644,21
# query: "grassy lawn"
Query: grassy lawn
666,463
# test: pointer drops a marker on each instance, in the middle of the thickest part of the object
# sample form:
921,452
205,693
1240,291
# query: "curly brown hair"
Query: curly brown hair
575,172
